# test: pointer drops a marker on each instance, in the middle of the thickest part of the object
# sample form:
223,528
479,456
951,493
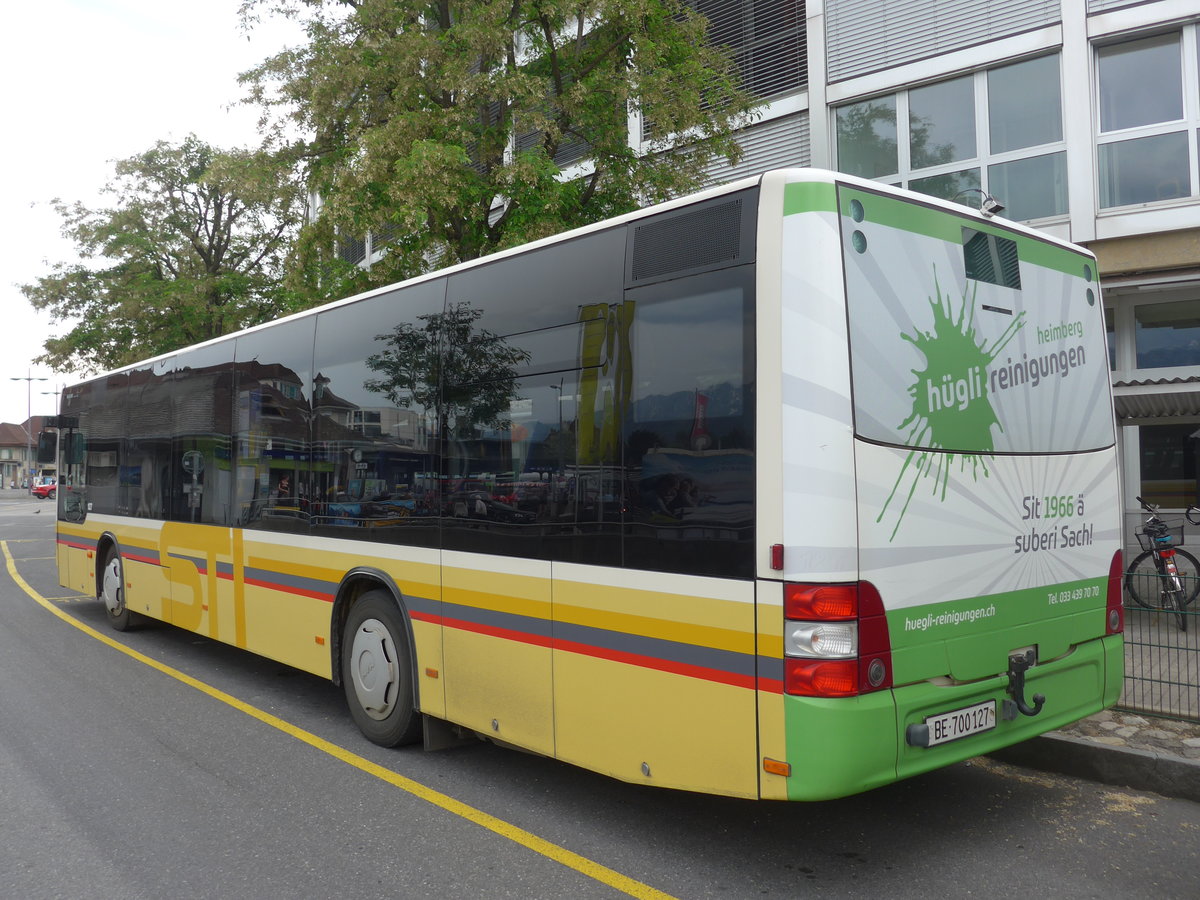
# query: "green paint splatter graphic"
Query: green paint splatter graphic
951,413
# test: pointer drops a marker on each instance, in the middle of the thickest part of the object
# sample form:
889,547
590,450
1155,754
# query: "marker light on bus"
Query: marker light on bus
836,640
1115,616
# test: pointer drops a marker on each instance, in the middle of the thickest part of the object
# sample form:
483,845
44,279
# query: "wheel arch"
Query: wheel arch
354,584
107,541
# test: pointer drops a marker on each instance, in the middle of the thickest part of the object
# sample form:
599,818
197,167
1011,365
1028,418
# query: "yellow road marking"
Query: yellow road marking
561,855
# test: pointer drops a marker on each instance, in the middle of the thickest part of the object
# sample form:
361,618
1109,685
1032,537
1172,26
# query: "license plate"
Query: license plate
961,723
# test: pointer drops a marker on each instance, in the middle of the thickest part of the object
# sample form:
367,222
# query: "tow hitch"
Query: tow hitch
1018,665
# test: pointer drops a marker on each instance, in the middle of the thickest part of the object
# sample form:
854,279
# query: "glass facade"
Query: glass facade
1024,105
1167,334
1148,111
941,123
1168,464
1140,82
866,138
1022,162
1145,170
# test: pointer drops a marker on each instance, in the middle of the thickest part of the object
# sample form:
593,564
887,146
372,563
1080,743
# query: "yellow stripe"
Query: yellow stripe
517,835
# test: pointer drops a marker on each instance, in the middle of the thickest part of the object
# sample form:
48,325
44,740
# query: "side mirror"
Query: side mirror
47,447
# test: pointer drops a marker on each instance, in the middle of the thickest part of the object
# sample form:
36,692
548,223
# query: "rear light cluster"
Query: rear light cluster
835,640
1115,614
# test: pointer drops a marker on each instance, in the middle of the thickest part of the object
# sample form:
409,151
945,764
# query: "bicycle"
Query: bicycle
1164,576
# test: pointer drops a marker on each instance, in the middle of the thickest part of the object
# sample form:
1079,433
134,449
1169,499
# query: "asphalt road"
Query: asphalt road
120,779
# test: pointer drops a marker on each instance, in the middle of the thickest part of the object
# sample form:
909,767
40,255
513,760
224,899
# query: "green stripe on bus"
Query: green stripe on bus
809,196
937,223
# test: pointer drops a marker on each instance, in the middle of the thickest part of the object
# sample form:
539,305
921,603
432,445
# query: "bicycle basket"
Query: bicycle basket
1162,536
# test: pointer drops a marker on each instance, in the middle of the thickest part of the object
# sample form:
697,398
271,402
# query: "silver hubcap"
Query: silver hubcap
373,669
111,590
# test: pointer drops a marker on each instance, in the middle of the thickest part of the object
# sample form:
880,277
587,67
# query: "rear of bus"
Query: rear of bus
950,506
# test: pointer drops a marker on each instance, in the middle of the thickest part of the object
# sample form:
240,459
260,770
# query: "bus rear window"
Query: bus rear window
970,341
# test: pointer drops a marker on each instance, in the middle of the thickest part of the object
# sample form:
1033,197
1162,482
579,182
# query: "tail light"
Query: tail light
835,640
1114,617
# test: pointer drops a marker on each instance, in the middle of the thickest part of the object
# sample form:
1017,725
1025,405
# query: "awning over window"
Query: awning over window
1165,398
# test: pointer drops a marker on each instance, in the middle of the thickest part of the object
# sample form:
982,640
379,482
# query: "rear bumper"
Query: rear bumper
842,747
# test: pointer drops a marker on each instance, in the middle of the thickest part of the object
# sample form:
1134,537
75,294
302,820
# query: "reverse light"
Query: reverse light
836,640
827,640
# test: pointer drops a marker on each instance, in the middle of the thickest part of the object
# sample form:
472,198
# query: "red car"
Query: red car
45,491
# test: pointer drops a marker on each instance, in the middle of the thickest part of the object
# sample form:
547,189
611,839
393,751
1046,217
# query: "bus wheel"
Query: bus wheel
377,672
110,587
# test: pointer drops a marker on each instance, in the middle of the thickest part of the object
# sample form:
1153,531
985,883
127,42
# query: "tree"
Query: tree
469,373
192,248
444,127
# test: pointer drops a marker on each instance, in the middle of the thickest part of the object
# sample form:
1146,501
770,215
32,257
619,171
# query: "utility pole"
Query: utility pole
28,379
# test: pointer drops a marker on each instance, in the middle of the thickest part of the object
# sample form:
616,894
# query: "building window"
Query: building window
767,39
1148,116
1167,334
866,138
1168,463
999,131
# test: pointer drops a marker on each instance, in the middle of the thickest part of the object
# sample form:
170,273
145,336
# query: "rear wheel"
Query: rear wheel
110,589
53,493
377,671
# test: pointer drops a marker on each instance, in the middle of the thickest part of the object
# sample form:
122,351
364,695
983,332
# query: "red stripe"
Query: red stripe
522,637
689,670
662,665
634,659
142,559
771,685
316,595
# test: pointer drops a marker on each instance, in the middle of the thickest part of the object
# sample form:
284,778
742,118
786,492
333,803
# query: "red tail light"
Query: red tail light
850,656
821,677
1114,616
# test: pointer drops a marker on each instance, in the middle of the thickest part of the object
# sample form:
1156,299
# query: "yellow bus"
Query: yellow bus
785,490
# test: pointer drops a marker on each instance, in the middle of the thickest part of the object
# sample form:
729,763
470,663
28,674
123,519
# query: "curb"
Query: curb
1142,770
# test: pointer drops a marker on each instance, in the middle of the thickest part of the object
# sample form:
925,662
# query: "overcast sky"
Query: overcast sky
86,82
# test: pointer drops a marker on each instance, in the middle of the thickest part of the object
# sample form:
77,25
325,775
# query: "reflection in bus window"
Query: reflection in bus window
689,453
374,454
275,465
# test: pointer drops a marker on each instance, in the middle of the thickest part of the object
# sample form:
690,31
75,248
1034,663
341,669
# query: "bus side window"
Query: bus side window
689,430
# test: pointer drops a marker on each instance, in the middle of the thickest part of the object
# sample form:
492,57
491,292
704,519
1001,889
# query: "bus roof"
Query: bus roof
774,177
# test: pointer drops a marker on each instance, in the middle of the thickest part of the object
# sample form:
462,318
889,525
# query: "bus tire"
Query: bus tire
110,590
377,671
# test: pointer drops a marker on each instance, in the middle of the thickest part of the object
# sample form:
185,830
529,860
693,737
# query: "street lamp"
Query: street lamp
28,379
57,432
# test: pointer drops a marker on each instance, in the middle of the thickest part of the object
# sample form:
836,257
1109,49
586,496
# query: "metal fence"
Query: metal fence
1162,650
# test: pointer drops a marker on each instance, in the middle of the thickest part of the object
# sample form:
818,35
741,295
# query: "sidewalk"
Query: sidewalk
1120,748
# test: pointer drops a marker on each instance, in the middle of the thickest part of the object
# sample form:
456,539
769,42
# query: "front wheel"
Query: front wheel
377,671
1153,590
110,589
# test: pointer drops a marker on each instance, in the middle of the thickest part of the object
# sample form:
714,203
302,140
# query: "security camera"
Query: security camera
990,206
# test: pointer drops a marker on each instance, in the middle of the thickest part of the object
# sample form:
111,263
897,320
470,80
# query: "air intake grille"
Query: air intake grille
707,238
